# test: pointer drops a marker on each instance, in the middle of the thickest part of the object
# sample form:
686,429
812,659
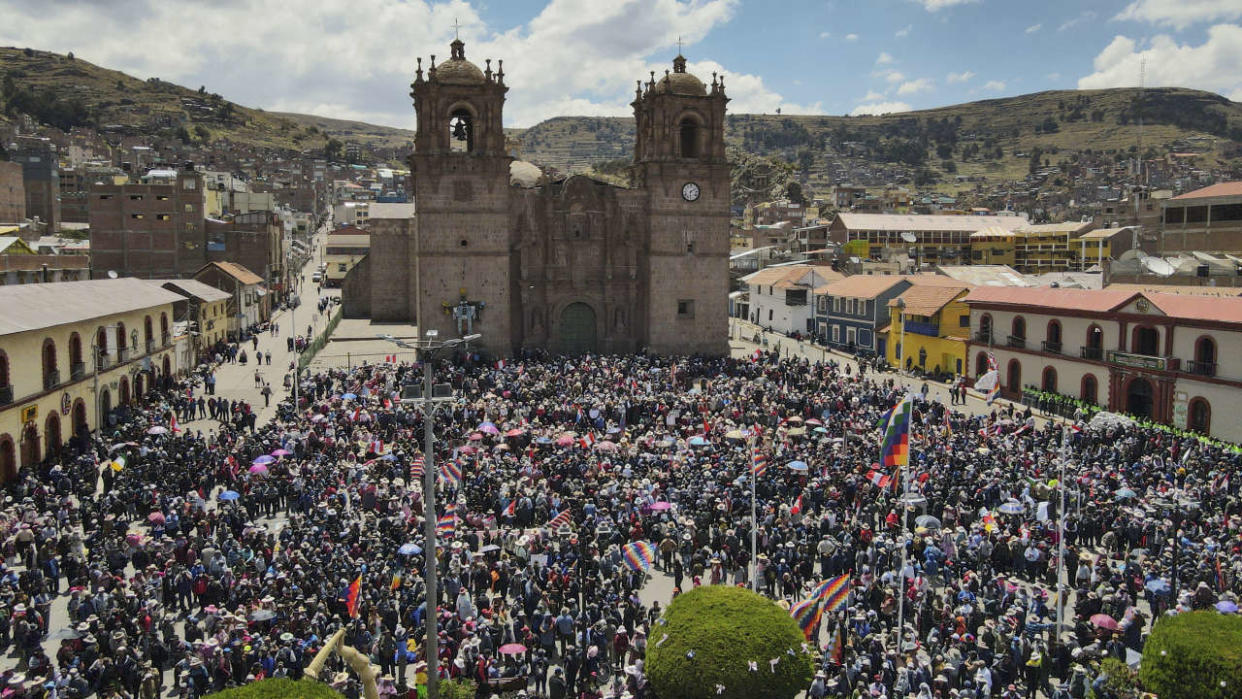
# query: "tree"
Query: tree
1037,155
708,637
1197,655
333,149
202,133
69,55
948,166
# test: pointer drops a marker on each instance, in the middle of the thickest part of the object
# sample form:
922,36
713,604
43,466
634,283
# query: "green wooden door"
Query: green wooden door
577,329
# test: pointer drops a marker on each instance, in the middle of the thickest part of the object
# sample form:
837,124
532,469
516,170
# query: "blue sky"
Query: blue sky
354,58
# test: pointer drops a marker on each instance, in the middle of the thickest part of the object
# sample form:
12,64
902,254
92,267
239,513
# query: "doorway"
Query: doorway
1139,398
577,329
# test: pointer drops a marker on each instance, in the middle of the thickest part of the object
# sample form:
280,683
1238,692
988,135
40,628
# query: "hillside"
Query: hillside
990,140
65,92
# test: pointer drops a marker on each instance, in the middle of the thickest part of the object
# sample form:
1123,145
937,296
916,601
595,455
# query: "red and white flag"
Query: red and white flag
511,510
797,507
587,441
879,479
500,364
561,520
173,423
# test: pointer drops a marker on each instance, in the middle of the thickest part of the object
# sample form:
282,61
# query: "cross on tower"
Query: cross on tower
679,44
456,29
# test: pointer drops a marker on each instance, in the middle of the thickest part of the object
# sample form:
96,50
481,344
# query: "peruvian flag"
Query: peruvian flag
560,520
376,446
500,364
357,412
173,423
511,510
879,479
755,357
797,507
387,404
588,440
707,428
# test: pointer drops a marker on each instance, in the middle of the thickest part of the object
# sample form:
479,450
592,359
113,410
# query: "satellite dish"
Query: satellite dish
1132,254
1158,266
909,237
112,274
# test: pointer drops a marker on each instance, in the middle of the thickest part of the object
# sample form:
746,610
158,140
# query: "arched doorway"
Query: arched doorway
1139,398
105,407
577,329
51,435
139,386
123,390
80,426
30,445
1199,417
1049,384
1089,389
1014,385
8,459
981,364
167,366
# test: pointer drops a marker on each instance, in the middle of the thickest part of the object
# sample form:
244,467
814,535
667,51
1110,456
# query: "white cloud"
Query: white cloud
851,37
1214,65
934,5
883,59
873,96
904,31
1054,76
825,35
891,76
574,57
1075,21
1034,28
994,85
880,108
915,86
959,77
1180,13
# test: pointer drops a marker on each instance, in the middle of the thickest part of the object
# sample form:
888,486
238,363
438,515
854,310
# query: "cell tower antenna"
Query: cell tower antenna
1138,172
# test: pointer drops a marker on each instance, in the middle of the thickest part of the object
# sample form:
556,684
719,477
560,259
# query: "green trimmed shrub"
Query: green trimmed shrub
1120,680
725,628
279,688
1194,656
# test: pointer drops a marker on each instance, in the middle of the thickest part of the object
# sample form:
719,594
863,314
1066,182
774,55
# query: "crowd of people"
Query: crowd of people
179,558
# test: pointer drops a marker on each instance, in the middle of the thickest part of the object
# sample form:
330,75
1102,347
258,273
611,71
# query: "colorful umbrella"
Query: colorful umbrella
638,555
1013,507
698,441
512,649
410,549
514,433
156,518
229,495
607,446
158,429
282,452
475,436
1226,607
258,469
1105,621
661,506
349,396
564,440
265,459
797,466
489,428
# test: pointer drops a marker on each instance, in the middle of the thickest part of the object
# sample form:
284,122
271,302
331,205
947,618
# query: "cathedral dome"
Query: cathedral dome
679,82
457,70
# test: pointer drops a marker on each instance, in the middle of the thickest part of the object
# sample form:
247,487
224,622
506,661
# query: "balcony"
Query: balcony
1015,341
51,379
1201,368
77,371
163,339
921,328
104,361
6,395
1096,353
984,337
1142,361
1051,347
150,346
122,356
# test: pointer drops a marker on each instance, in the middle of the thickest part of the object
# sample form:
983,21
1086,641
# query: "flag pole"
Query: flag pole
754,522
1061,536
901,572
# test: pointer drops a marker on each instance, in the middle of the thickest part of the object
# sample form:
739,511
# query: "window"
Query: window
1014,384
1019,327
50,379
1196,214
340,267
137,216
1175,214
188,184
135,197
689,136
769,315
161,197
189,208
836,304
981,364
1227,212
461,131
104,197
851,336
1089,389
836,334
1050,380
1199,416
685,309
163,217
963,321
1205,350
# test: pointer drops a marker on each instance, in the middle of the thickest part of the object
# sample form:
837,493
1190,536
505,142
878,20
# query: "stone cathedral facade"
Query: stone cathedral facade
573,265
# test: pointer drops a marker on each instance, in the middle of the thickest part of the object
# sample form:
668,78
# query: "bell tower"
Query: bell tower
460,173
680,164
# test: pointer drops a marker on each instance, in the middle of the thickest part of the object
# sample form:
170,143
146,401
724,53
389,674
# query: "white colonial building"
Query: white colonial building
1174,358
781,298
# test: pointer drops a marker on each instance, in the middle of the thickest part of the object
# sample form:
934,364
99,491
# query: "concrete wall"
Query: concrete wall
12,193
356,290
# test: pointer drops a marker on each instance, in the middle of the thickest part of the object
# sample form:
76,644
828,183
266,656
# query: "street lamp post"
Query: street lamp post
901,343
96,351
427,350
1179,506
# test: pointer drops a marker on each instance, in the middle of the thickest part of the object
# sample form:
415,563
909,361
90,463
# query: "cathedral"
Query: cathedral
570,265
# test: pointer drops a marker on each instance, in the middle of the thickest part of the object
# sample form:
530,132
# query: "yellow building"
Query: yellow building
50,389
930,326
1096,246
992,246
205,308
344,248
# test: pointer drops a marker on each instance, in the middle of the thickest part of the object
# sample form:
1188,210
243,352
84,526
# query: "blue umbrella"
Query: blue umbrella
1157,586
349,396
543,440
388,457
797,466
965,596
265,459
1124,493
1226,607
698,442
230,495
410,549
1013,507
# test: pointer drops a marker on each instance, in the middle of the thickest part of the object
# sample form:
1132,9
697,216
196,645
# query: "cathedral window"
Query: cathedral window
689,137
685,309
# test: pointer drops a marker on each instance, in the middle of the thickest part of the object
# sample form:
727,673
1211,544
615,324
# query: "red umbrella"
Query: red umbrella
1105,621
156,518
564,440
476,436
512,649
514,433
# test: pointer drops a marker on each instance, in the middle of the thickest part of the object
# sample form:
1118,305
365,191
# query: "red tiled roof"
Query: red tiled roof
927,300
1221,189
863,286
1191,307
1097,300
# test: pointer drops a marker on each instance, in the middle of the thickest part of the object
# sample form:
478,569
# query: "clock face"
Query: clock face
690,191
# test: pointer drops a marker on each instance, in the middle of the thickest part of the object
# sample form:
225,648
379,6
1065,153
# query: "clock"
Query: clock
690,191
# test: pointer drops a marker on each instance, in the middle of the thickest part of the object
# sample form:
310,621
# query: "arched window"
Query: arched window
981,364
101,345
1089,389
148,331
689,136
1049,383
51,434
1014,385
51,377
122,342
461,131
76,366
985,327
1053,343
1205,357
1199,416
163,328
1094,349
4,373
1018,328
1146,341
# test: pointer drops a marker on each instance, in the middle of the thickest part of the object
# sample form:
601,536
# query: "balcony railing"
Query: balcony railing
1142,361
1096,353
150,346
1015,341
122,356
1201,368
983,336
51,379
77,371
921,328
1051,347
6,395
163,339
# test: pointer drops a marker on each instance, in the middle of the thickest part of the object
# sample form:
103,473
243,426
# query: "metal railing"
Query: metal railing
6,395
983,336
1096,353
1199,368
51,379
1051,347
77,371
1015,341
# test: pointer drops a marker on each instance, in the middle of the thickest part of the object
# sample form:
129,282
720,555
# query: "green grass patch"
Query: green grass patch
1194,656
